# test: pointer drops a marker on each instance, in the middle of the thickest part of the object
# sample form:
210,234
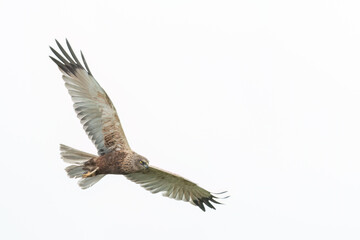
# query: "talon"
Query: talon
89,174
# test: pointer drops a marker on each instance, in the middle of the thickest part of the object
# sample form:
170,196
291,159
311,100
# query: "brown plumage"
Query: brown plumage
101,123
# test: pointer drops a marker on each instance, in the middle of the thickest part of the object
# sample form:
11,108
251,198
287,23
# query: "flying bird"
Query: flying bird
100,121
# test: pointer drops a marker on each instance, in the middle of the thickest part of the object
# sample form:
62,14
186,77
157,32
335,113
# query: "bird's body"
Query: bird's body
101,122
116,162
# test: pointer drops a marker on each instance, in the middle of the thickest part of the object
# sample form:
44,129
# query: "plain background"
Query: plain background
259,98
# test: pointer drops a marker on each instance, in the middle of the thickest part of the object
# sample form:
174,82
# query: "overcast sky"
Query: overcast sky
259,98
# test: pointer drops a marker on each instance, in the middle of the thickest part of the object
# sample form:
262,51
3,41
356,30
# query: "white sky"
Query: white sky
260,98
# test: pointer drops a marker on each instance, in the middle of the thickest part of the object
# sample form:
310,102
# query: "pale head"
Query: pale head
139,162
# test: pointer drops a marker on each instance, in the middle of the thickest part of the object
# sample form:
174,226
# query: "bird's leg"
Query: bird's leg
89,174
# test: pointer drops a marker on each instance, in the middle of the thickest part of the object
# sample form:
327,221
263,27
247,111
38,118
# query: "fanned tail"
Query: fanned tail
73,156
76,170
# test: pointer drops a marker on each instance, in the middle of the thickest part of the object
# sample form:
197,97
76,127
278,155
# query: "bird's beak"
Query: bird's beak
146,166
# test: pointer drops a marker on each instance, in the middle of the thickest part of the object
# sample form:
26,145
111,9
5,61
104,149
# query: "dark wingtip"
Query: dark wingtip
85,63
214,201
212,198
73,54
66,55
60,65
208,201
199,204
65,62
218,195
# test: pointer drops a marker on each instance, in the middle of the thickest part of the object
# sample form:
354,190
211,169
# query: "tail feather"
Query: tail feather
78,159
85,183
73,156
75,171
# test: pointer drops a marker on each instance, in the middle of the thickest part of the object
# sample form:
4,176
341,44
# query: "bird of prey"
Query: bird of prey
102,125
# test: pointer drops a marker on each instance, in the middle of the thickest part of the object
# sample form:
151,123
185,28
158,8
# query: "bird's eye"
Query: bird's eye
141,162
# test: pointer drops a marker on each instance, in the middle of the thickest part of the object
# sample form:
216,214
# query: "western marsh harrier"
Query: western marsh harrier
101,123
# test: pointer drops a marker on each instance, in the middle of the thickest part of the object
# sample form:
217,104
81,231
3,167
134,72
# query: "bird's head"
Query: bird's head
140,162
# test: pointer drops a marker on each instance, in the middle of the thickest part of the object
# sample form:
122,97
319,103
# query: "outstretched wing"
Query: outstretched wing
91,103
174,186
